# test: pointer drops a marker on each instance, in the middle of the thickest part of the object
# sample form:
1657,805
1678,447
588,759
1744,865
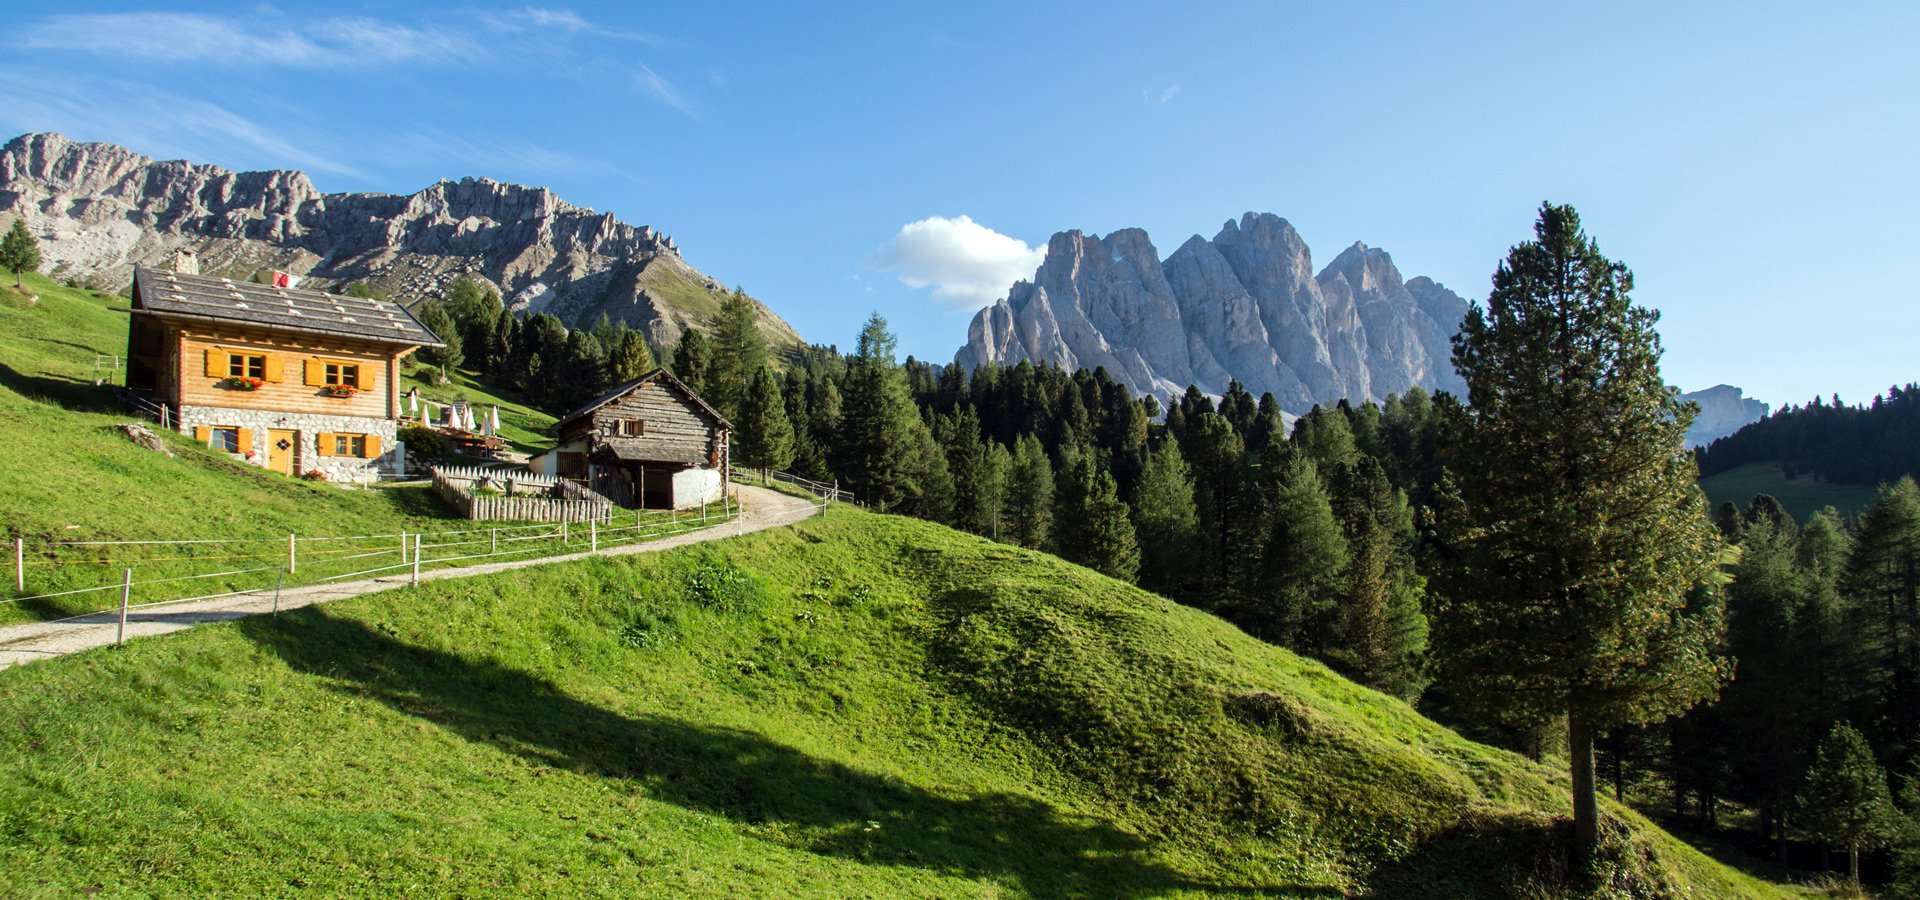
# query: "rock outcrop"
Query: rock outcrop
101,209
1246,305
1723,411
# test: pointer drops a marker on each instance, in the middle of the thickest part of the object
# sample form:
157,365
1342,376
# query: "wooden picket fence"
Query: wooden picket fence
547,499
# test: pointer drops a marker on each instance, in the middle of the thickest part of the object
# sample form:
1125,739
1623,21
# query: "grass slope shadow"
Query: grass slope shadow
745,777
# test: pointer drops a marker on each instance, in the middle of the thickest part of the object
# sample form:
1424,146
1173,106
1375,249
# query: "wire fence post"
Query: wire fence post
293,554
563,532
276,591
20,564
494,535
593,535
126,597
403,548
416,559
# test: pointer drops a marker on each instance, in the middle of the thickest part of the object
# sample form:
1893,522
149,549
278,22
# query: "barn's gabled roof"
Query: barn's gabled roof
661,375
283,309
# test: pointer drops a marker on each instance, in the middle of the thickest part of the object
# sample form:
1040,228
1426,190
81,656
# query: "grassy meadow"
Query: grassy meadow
1801,496
859,705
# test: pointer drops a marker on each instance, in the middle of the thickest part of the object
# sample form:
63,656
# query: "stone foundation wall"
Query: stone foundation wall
306,427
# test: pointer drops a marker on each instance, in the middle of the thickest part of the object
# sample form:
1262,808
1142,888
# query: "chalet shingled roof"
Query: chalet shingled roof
285,309
664,377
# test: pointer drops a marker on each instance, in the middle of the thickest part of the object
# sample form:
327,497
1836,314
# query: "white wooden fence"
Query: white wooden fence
547,499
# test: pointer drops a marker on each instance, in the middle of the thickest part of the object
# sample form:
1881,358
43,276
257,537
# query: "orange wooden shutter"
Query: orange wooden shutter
201,433
323,444
244,443
217,364
316,371
363,377
372,450
276,367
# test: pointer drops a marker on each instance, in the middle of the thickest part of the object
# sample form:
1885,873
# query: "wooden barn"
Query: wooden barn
651,443
297,381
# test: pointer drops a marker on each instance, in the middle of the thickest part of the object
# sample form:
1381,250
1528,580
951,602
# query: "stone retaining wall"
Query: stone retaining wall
306,426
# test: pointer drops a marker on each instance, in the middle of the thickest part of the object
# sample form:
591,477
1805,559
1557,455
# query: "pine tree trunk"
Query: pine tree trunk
1853,863
1586,806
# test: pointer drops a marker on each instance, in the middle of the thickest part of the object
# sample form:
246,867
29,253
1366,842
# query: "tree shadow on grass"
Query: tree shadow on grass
824,807
71,393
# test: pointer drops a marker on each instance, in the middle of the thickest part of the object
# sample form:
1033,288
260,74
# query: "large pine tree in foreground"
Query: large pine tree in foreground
1582,550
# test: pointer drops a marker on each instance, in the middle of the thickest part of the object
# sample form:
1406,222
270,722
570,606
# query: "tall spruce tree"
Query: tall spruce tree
1301,569
1381,630
1882,585
1218,459
448,355
632,358
763,433
1845,802
994,475
880,450
739,353
959,437
583,372
1030,495
1579,535
693,361
1166,524
1767,708
1090,523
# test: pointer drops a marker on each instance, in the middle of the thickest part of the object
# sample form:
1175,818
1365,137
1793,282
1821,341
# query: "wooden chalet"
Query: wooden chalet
293,380
650,443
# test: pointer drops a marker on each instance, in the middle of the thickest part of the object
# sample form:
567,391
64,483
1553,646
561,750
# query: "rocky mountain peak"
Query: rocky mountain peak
1245,305
101,209
1723,410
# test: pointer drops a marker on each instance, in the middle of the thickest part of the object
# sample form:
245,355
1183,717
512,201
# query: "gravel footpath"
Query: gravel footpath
760,509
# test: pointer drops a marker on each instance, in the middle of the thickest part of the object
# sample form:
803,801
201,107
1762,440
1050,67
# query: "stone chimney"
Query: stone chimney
186,262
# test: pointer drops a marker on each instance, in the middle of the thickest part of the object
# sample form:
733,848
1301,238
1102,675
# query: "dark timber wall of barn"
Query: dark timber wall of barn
676,429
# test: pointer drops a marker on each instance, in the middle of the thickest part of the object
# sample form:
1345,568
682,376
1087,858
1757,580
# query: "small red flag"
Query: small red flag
282,279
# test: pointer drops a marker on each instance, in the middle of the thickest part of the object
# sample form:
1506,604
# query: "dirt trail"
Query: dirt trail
760,509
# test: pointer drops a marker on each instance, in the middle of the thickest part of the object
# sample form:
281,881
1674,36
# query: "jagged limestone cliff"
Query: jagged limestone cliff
100,209
1244,305
1723,411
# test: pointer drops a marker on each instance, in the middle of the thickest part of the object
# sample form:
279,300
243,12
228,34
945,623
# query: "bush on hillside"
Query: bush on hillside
424,443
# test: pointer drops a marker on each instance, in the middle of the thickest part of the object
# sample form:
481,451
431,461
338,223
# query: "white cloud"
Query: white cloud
966,263
564,20
663,90
217,40
1160,94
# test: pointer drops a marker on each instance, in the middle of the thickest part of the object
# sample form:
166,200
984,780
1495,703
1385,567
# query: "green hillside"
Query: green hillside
1802,496
70,475
860,705
520,424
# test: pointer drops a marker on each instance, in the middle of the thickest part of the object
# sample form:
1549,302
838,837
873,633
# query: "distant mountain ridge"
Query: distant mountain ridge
1245,305
1723,411
100,209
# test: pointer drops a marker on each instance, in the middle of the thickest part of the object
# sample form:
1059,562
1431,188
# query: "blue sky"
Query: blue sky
1753,162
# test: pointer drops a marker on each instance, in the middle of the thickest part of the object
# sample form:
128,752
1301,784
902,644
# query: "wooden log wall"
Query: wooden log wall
672,424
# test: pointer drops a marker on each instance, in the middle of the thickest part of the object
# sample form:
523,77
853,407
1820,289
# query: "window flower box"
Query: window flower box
340,390
241,383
